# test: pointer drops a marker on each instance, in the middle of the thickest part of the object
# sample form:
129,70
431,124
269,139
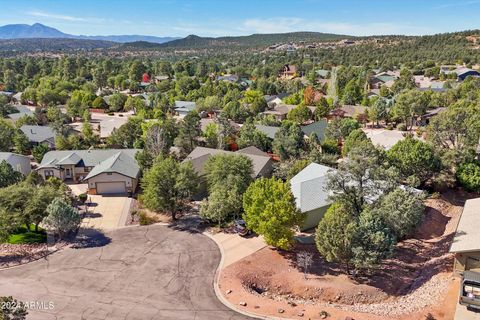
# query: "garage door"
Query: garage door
111,187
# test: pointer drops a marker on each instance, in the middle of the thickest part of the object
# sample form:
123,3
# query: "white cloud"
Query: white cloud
284,24
457,4
43,14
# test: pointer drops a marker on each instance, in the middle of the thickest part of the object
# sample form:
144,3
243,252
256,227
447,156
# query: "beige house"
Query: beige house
466,243
109,171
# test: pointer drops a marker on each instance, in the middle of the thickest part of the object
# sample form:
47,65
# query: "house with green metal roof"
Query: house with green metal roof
109,171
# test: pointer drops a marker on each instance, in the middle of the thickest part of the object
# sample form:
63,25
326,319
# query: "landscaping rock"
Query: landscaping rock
281,311
228,292
243,304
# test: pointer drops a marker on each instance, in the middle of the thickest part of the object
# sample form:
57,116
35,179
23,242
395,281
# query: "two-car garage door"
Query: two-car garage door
111,187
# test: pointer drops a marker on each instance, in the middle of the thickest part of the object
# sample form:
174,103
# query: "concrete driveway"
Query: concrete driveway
106,212
235,247
462,313
151,272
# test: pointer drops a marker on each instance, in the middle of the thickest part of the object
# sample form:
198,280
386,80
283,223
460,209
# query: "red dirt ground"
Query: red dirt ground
415,282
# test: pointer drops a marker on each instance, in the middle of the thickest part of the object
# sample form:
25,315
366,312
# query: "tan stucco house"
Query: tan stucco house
108,171
466,243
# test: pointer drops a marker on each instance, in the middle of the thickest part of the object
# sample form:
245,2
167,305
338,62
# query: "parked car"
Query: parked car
470,290
241,228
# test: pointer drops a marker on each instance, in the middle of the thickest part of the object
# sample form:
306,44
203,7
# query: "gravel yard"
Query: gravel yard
415,282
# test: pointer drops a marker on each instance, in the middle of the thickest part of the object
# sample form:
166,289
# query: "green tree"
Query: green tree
409,105
249,135
288,140
62,217
211,135
374,241
189,132
167,183
355,138
8,176
335,235
352,94
221,167
363,175
127,135
224,201
7,134
401,210
117,102
468,175
415,159
20,140
299,114
339,129
270,210
322,109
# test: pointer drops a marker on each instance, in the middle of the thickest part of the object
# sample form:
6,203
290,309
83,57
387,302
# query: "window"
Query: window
109,173
49,173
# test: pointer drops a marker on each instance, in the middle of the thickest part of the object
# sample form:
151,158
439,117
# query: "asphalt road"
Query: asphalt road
143,273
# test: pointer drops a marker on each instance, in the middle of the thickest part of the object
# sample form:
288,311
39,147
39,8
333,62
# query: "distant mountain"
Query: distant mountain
254,40
38,30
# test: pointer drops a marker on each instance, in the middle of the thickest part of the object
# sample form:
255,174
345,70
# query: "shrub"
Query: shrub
144,219
82,197
468,175
402,127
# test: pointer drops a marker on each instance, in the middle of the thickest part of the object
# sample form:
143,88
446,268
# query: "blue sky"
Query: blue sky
243,17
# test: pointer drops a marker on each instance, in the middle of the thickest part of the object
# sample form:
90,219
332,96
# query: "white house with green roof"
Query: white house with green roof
108,171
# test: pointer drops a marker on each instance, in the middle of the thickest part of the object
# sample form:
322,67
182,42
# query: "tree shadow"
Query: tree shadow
90,238
320,267
189,223
92,215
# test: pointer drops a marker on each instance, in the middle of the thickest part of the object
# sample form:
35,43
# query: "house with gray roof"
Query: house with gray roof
39,135
20,111
106,171
18,162
309,189
317,127
184,107
262,163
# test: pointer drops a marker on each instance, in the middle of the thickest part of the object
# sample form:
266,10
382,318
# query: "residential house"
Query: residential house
159,79
461,72
184,107
466,242
262,163
349,111
39,135
309,189
20,111
230,78
385,138
317,127
386,78
425,119
18,162
322,74
106,171
274,100
280,111
288,72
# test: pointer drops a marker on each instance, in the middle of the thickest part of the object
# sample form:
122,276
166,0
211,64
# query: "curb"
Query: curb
219,294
